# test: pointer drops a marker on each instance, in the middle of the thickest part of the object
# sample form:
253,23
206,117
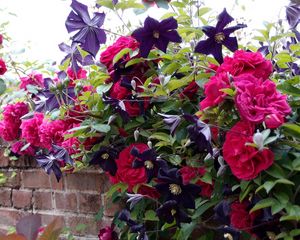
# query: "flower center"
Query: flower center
228,236
156,34
173,212
148,164
105,156
219,37
175,189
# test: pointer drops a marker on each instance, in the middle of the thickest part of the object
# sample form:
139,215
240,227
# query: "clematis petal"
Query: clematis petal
230,30
162,44
81,10
81,35
74,22
101,36
231,43
140,34
98,19
172,36
217,53
223,19
145,47
91,43
168,24
209,31
151,24
206,46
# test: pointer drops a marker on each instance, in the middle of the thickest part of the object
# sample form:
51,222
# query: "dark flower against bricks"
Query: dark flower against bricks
134,226
170,211
89,33
158,34
51,162
171,186
108,233
106,158
218,36
146,159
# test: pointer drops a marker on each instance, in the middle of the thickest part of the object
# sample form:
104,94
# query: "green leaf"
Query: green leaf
285,181
276,207
276,171
104,128
150,215
161,136
121,54
228,91
186,230
133,61
264,203
119,187
292,129
2,86
174,159
103,88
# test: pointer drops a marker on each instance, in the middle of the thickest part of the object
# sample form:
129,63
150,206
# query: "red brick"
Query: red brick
4,161
56,185
37,178
48,218
22,199
24,161
92,227
66,201
89,203
5,197
42,200
92,181
9,217
110,208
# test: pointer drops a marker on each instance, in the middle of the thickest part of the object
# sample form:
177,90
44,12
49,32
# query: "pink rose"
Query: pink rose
17,146
30,129
245,161
51,132
72,145
256,99
122,42
213,95
274,120
247,62
35,79
1,39
3,68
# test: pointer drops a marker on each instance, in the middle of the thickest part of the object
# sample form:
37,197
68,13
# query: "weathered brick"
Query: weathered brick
9,217
22,199
91,226
5,197
24,161
110,208
42,200
56,185
92,181
66,201
13,178
89,203
4,161
48,218
36,178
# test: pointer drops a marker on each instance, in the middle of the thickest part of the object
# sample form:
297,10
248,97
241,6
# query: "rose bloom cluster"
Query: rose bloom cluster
256,100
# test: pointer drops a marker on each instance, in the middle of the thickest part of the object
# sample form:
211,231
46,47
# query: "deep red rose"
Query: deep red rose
240,218
257,99
247,62
126,173
3,68
122,42
245,161
1,39
190,91
148,191
213,95
107,233
133,108
122,132
190,173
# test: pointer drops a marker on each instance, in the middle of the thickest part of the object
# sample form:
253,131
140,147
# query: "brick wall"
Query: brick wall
75,199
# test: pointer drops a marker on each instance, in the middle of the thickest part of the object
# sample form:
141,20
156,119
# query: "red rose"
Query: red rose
190,91
1,39
107,233
190,173
256,99
122,42
3,68
148,191
245,161
247,62
240,218
133,108
274,120
213,95
125,173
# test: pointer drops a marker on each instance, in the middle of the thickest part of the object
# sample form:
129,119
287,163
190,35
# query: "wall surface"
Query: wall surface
76,199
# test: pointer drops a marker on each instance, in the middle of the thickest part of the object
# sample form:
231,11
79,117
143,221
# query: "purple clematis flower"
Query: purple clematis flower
293,14
50,162
158,34
171,186
218,36
172,121
75,57
89,33
170,211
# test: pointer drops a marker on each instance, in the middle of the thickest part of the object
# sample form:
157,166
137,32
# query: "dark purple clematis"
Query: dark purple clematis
172,121
199,133
146,159
134,226
75,57
172,188
293,14
170,211
50,162
158,34
48,98
218,36
106,158
89,33
222,212
118,106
